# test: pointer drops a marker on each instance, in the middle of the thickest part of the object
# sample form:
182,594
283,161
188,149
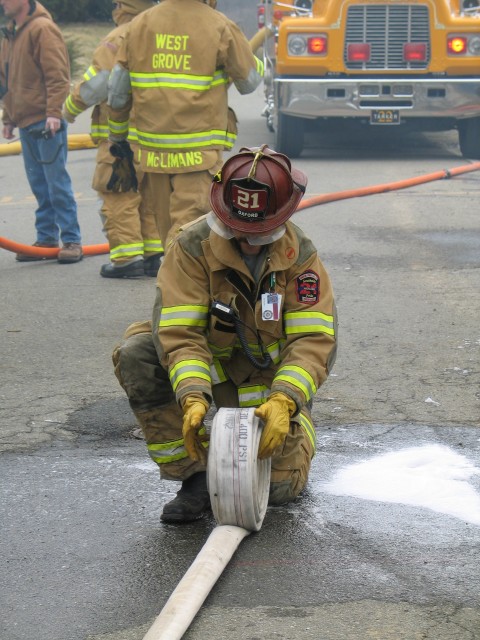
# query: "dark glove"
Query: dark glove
124,177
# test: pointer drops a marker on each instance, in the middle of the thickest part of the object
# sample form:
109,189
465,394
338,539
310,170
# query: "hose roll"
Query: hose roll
238,482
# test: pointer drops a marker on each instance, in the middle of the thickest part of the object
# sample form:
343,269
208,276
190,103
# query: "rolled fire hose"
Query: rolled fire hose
238,483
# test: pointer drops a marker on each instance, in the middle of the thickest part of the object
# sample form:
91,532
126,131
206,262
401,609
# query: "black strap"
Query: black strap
225,328
234,278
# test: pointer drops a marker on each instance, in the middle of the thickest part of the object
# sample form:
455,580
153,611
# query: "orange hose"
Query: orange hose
96,249
389,186
42,252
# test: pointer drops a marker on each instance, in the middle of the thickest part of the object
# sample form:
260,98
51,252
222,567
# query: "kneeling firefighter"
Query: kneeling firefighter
244,317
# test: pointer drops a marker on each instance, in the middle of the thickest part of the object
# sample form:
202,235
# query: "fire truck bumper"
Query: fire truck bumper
358,98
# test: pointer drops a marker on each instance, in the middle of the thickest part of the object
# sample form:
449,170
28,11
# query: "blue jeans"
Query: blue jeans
45,166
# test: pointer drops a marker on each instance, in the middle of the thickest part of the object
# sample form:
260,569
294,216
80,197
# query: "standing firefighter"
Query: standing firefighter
174,68
129,220
244,317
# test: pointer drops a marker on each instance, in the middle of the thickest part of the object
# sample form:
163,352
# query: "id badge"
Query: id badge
271,303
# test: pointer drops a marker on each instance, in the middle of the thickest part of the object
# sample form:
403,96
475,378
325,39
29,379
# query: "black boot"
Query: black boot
191,502
152,264
131,269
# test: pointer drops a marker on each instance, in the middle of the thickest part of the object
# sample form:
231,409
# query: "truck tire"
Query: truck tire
469,138
289,135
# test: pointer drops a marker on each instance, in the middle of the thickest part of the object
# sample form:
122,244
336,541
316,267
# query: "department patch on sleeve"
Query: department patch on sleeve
308,287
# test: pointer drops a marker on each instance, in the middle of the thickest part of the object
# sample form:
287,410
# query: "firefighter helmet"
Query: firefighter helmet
256,190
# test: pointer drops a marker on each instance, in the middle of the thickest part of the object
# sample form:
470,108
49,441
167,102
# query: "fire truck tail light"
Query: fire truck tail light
358,52
278,15
317,45
415,52
457,45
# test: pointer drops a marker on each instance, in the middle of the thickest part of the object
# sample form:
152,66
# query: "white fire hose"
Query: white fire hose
238,484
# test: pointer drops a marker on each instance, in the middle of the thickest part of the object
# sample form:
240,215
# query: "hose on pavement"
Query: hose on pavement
239,485
313,201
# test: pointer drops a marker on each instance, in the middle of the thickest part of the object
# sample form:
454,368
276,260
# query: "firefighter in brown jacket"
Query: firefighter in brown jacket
244,317
129,221
174,68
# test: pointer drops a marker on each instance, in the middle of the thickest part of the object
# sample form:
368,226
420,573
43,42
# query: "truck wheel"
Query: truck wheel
289,136
469,138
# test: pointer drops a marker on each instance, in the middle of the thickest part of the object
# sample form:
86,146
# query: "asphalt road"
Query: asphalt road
384,543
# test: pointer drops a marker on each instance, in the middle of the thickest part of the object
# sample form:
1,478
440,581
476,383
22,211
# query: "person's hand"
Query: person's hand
8,131
195,408
275,414
53,124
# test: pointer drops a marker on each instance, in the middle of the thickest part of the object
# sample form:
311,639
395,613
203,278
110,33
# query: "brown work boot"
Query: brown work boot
70,252
190,503
23,257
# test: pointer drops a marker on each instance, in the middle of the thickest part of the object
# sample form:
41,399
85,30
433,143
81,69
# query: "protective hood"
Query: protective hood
223,231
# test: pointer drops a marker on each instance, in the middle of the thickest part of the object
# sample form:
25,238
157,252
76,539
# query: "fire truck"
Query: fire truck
413,64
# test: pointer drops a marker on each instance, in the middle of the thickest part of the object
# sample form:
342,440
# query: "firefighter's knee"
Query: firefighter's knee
140,374
290,467
286,485
282,492
129,356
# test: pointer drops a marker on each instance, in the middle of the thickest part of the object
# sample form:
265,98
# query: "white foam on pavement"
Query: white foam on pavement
431,476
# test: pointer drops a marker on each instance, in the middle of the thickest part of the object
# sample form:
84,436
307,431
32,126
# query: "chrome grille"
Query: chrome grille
386,28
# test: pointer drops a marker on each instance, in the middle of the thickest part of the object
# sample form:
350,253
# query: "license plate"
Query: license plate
385,116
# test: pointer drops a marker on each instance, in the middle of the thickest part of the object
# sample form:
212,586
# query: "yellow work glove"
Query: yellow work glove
195,408
275,414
